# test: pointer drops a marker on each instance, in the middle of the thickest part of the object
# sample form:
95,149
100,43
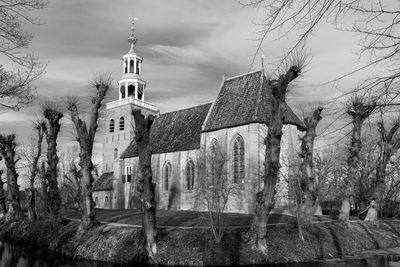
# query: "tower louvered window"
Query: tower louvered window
238,160
121,123
189,175
112,126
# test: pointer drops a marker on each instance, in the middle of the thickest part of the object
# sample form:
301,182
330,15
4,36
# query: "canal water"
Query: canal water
13,256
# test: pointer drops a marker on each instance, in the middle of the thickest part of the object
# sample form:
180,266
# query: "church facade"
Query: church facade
181,141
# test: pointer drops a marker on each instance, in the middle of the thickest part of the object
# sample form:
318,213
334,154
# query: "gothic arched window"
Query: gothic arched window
131,90
214,148
238,160
166,175
189,175
111,126
115,154
122,90
121,123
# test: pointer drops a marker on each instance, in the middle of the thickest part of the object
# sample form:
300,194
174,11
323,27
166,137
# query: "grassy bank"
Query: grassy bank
196,246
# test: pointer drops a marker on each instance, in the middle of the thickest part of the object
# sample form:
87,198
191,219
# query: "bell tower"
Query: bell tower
131,84
120,125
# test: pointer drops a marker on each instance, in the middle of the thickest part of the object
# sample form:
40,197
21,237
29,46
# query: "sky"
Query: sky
187,47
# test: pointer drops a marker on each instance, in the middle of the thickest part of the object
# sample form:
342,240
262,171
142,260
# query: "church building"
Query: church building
235,123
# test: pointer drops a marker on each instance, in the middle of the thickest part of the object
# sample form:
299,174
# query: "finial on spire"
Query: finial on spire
132,39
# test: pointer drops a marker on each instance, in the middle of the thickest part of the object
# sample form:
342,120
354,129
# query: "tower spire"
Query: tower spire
132,38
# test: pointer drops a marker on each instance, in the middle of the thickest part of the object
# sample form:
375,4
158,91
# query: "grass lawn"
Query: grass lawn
179,217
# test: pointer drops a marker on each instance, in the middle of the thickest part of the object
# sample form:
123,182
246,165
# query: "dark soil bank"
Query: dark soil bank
196,246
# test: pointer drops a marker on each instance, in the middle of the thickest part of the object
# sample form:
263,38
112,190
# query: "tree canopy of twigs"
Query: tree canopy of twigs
376,23
16,88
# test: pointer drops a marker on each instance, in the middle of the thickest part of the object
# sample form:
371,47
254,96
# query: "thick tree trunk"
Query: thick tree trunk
390,144
7,149
32,204
307,179
359,111
53,118
146,187
265,199
45,191
2,195
88,215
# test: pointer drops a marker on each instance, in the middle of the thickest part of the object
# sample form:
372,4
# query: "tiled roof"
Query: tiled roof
105,182
174,131
242,100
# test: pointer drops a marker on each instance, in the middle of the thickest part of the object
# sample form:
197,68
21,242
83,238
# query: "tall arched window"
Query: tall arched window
238,160
131,90
189,175
115,154
140,92
111,126
214,148
121,123
131,66
137,67
122,90
167,175
126,66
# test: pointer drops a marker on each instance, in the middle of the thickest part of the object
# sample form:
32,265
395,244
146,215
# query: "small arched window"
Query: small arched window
131,90
238,160
111,126
115,154
189,175
126,66
167,175
106,202
214,148
131,68
122,90
121,123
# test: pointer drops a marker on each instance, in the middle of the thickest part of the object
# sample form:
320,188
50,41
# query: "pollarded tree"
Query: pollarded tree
146,187
33,159
53,116
277,109
389,145
8,153
85,136
307,180
359,109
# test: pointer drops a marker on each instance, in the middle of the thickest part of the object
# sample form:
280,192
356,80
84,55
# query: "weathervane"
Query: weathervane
132,39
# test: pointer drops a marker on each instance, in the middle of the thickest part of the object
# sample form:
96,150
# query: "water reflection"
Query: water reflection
13,256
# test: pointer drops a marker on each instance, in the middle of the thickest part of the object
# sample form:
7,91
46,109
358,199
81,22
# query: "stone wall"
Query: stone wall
103,199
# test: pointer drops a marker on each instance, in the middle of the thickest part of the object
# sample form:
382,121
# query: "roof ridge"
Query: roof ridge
244,74
186,108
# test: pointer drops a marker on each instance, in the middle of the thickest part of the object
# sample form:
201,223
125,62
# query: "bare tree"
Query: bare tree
359,109
146,187
265,198
85,137
375,22
307,180
389,145
53,116
33,160
8,152
214,188
15,86
72,176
